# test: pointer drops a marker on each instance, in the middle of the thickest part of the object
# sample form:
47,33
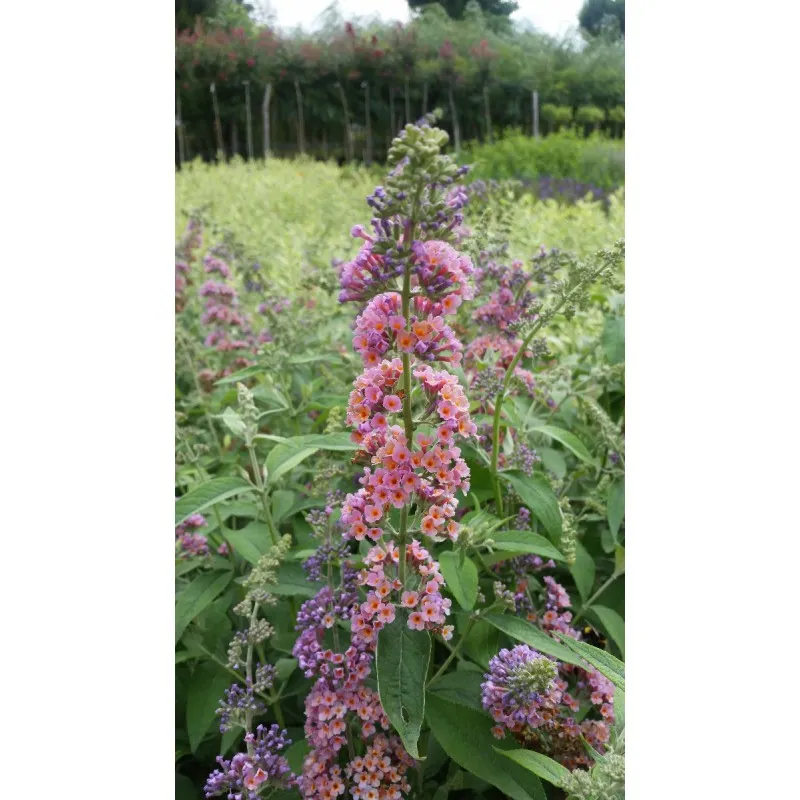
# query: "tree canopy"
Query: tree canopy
598,15
455,8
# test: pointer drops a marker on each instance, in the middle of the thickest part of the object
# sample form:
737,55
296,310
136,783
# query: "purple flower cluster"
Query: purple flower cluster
319,615
316,564
222,314
188,541
243,776
185,256
554,617
523,519
511,302
233,707
524,458
519,688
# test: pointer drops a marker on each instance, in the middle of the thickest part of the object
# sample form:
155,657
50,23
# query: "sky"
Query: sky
550,16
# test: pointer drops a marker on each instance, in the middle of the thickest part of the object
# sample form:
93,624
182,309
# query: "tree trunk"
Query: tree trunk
301,132
217,124
454,115
368,121
424,99
265,118
392,120
487,115
348,133
535,108
325,144
249,119
234,139
407,99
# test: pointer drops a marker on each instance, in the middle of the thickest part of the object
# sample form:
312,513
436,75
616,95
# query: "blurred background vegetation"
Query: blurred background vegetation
343,91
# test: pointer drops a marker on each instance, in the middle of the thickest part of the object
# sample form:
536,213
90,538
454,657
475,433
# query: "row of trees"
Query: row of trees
345,91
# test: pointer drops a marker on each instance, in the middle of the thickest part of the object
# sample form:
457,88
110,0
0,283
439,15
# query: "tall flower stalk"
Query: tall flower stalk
567,297
407,278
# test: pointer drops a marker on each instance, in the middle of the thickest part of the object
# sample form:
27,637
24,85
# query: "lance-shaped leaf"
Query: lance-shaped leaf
603,662
465,735
402,665
208,494
197,596
538,496
538,764
569,440
523,631
525,542
460,578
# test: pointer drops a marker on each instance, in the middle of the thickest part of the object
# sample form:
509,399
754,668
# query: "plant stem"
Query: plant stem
408,420
453,653
262,489
248,715
206,414
587,605
509,374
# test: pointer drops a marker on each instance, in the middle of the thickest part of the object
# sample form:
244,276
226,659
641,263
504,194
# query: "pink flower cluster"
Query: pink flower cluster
430,475
421,593
338,703
382,327
187,539
442,274
505,349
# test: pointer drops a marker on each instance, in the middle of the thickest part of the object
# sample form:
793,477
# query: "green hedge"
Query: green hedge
595,160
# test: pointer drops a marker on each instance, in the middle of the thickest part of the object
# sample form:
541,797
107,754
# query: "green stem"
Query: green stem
248,715
262,489
206,413
276,710
587,605
408,420
509,374
453,653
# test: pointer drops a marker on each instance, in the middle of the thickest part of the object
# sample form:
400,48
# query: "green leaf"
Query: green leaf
583,571
569,440
554,461
285,457
250,542
524,631
619,709
185,789
402,666
186,565
296,754
615,505
538,496
205,691
525,542
614,339
282,502
313,358
234,422
538,764
465,735
284,667
613,625
604,662
197,596
481,642
462,687
293,582
247,372
229,738
461,578
208,494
